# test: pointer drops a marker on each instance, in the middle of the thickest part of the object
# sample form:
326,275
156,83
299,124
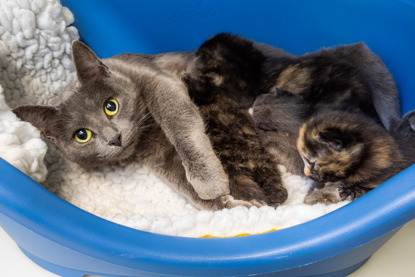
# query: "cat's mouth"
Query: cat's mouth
119,153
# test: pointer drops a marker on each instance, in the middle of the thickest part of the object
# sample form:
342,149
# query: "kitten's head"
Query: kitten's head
231,62
99,119
279,111
331,146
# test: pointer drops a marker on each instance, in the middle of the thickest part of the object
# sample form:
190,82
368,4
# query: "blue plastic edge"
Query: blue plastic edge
385,209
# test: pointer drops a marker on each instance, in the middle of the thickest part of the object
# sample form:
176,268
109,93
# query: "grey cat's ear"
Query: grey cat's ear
334,138
42,117
89,67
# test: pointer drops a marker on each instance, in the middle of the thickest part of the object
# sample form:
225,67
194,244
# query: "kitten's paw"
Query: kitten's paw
210,182
352,193
314,197
277,196
324,195
258,203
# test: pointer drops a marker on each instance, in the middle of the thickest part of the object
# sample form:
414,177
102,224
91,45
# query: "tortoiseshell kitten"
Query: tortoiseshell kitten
346,77
252,171
307,87
347,155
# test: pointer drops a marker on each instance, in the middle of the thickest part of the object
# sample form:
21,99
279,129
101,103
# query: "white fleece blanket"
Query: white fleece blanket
35,59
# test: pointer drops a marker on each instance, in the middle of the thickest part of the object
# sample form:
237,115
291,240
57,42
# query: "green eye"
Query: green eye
111,107
83,135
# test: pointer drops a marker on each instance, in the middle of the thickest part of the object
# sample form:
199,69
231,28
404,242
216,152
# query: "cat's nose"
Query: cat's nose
115,141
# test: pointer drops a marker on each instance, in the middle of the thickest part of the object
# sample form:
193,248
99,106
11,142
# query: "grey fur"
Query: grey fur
158,123
279,119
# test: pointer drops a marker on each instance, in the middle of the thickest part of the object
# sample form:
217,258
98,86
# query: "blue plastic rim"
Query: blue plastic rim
71,242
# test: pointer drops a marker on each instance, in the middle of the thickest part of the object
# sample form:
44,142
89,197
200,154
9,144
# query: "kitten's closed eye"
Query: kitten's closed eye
334,138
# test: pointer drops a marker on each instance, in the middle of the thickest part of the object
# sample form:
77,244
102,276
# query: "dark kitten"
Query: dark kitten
135,107
234,66
325,84
279,116
252,171
377,76
348,152
354,63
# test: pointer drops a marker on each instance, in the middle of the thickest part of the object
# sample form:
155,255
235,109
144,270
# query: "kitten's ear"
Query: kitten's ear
411,120
333,137
295,79
88,67
42,117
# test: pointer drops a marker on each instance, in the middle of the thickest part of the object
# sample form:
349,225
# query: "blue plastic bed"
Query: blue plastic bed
70,242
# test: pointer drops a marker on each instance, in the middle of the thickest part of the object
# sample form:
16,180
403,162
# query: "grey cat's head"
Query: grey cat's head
99,118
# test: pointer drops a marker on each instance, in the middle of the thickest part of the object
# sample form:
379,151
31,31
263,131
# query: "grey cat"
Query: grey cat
135,107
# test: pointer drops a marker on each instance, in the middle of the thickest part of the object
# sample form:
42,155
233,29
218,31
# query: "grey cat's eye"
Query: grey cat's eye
111,107
83,135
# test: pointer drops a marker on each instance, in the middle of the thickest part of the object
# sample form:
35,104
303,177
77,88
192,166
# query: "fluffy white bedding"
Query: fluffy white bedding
35,59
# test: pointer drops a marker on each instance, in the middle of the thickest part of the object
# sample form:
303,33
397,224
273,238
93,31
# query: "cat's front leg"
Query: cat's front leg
164,160
181,122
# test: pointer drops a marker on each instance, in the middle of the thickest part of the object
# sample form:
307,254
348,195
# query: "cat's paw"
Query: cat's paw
276,196
352,193
314,197
228,201
210,182
325,195
258,203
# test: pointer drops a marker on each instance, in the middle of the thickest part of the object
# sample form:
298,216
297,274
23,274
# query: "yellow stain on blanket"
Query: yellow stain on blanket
207,236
